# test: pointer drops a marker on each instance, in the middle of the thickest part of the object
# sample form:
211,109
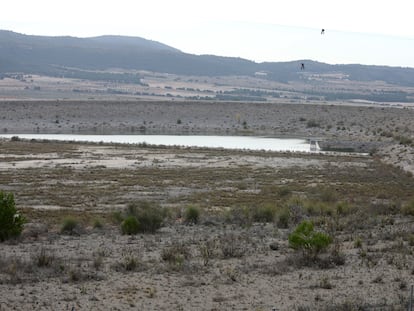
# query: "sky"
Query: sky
372,32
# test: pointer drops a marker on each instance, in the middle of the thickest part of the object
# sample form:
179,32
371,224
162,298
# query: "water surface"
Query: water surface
227,142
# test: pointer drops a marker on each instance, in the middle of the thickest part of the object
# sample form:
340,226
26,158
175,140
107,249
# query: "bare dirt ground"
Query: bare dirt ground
234,258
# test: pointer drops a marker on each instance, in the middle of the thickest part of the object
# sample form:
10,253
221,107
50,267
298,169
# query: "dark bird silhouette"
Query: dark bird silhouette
302,66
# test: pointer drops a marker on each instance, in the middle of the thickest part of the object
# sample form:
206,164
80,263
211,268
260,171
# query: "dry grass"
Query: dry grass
241,238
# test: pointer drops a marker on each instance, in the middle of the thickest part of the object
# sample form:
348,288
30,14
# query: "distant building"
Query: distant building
261,73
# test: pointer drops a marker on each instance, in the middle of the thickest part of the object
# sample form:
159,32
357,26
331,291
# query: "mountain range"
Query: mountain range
86,57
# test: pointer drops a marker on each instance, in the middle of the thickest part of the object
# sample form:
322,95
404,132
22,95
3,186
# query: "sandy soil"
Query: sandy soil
100,269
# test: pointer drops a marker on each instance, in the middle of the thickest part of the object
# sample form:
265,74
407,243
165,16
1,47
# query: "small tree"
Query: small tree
11,222
308,240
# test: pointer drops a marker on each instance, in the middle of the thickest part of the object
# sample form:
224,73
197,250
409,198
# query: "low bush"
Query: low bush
192,215
11,222
283,219
240,215
313,123
176,254
150,216
69,225
408,209
232,245
117,217
296,209
45,258
309,241
264,213
97,224
130,225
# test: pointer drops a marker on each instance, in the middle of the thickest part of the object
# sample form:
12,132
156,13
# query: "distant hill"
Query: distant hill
79,57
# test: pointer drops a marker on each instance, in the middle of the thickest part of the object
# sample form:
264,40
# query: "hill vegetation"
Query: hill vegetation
87,58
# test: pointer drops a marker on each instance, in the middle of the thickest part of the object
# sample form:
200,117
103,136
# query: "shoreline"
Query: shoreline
365,129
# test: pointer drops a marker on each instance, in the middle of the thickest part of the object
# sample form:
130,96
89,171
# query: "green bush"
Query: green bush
308,240
130,225
11,222
192,215
149,216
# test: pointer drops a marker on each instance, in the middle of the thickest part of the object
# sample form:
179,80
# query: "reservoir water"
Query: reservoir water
226,142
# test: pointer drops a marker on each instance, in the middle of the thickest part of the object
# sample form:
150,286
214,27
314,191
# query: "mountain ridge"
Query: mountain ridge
53,55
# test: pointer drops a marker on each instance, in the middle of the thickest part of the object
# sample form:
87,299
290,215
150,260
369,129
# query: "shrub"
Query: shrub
130,225
295,206
192,215
149,216
283,221
408,209
130,263
239,215
232,245
11,222
328,195
117,217
175,255
308,240
313,123
283,191
207,250
97,224
45,258
343,208
264,213
69,225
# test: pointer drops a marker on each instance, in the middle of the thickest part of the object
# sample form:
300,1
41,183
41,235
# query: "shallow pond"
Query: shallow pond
227,142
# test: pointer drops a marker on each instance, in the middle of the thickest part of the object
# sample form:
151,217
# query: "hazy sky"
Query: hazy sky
357,31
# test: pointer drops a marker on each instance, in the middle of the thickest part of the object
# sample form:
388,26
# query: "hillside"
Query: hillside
96,58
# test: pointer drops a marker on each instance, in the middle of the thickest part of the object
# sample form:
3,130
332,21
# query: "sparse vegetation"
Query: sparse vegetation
69,226
175,254
250,202
264,213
